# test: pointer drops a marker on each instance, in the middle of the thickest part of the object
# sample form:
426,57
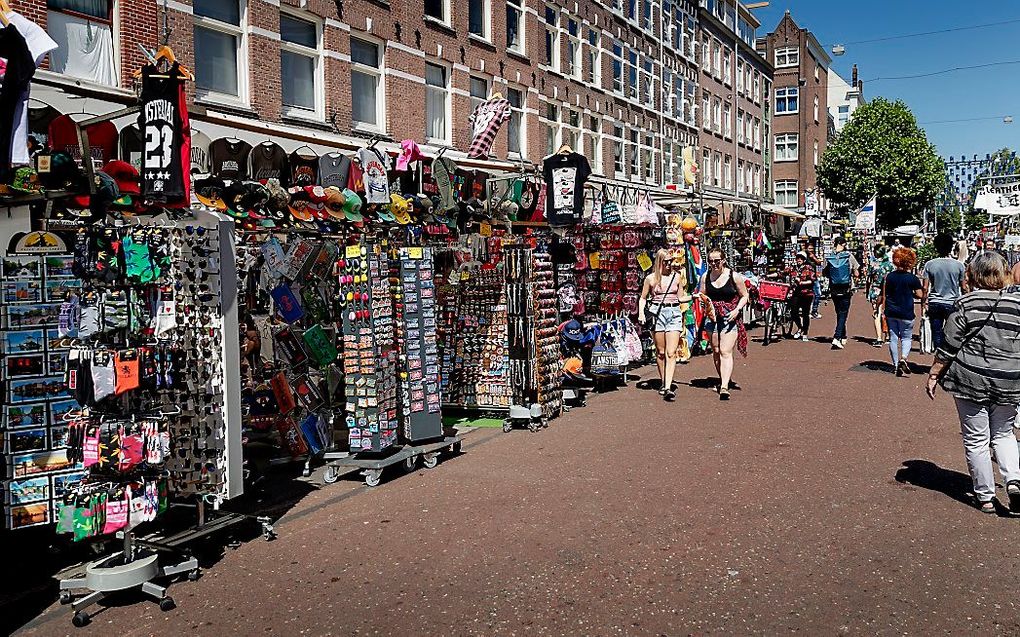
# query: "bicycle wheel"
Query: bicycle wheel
769,324
786,320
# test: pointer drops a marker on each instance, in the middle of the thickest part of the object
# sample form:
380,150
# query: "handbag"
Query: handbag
651,317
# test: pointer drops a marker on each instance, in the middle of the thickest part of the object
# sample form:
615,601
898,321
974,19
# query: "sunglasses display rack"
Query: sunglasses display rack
533,339
35,466
476,362
421,398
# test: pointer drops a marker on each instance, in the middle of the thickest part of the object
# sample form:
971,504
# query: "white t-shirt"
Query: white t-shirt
39,44
374,164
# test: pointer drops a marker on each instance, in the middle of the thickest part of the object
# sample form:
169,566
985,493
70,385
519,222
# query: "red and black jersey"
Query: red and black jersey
166,132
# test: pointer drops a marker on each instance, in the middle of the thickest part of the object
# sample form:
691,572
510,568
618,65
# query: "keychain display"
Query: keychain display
419,357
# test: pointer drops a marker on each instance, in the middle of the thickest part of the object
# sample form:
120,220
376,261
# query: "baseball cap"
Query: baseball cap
300,204
26,180
400,206
278,198
317,201
572,330
209,192
352,206
234,197
334,204
125,175
573,365
63,174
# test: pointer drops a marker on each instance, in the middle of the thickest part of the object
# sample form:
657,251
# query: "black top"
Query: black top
229,158
724,294
565,175
899,295
304,169
20,69
269,161
161,120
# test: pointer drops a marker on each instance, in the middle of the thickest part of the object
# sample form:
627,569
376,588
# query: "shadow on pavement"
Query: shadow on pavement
928,475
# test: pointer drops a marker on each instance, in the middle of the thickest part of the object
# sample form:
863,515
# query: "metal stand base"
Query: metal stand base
111,574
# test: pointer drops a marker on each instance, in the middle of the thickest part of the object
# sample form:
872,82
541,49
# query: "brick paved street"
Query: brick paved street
825,498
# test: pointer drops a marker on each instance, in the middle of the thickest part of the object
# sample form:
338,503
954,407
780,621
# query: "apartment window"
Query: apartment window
816,72
552,115
757,89
747,177
478,18
478,91
617,60
83,31
786,100
514,21
437,100
218,41
727,68
717,59
816,153
571,130
757,133
716,169
515,127
649,158
438,10
787,57
706,168
300,66
786,193
632,74
573,66
716,115
757,180
740,176
787,147
727,123
843,115
632,9
816,109
706,114
619,160
594,58
706,56
740,126
595,133
366,83
552,37
646,15
740,76
728,167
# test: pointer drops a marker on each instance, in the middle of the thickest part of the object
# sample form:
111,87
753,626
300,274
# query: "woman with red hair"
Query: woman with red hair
898,293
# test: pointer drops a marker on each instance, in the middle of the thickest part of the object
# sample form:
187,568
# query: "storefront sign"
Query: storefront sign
1002,199
36,243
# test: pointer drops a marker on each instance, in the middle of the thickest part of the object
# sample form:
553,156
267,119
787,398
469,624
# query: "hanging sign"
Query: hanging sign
866,215
36,243
485,229
644,261
1002,199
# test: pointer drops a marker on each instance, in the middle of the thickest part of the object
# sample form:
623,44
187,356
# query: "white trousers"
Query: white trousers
981,426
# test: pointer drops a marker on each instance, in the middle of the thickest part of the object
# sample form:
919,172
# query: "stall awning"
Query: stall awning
781,211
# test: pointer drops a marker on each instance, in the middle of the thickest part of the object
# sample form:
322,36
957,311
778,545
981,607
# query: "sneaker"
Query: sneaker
805,338
905,368
843,341
837,344
877,344
797,336
816,316
1013,492
724,394
899,370
669,396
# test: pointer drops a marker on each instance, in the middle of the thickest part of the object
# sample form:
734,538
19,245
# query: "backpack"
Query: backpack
839,268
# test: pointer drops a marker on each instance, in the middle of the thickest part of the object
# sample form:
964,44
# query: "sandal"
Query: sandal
669,396
724,394
1013,493
986,507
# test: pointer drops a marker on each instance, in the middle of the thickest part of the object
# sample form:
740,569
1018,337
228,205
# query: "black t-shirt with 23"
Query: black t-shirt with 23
565,174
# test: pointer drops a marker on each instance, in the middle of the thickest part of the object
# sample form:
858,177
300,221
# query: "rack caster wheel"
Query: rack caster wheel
430,461
533,426
409,464
331,475
167,604
507,426
80,619
455,447
65,598
306,473
194,575
373,477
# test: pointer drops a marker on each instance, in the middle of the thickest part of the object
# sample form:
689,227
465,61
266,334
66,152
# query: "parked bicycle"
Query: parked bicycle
775,297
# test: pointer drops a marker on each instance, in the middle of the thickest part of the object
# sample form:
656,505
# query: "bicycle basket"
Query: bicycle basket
773,291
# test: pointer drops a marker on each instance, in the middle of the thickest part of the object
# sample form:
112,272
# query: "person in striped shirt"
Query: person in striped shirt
978,364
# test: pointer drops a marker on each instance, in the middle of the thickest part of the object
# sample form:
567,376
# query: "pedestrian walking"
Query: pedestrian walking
945,281
879,267
901,288
662,301
977,365
814,260
1016,273
803,277
841,269
727,291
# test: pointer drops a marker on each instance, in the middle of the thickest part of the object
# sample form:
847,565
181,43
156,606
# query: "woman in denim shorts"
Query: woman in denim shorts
727,292
664,297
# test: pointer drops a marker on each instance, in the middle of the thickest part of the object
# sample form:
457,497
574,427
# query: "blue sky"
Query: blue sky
988,92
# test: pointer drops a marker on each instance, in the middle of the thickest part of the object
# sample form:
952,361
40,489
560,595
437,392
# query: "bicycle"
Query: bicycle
775,296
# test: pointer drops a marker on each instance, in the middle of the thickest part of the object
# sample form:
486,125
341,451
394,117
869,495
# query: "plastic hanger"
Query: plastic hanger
565,149
4,10
165,53
311,151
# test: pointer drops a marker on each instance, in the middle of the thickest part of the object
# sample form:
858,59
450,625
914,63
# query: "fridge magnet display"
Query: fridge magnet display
24,342
21,267
29,490
23,365
25,415
63,481
59,266
26,440
33,389
19,517
22,292
31,315
30,464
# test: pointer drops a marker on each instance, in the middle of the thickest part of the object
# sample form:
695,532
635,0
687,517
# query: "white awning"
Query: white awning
781,211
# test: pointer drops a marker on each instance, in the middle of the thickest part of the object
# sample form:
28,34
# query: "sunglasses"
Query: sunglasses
715,260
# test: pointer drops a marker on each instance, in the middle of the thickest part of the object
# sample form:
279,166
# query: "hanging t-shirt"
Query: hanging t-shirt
39,118
486,120
166,158
199,153
375,163
304,168
103,139
39,43
565,175
20,69
269,161
356,177
333,170
229,158
131,146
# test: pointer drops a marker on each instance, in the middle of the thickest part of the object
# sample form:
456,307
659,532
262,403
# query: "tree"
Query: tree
882,150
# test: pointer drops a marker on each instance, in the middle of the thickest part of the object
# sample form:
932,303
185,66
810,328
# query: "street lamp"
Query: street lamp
838,50
1007,119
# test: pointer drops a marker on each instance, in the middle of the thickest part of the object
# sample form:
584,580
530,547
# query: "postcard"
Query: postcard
31,464
25,365
62,482
28,515
28,291
29,490
21,267
56,363
25,415
60,409
59,266
24,341
26,440
57,290
31,315
28,390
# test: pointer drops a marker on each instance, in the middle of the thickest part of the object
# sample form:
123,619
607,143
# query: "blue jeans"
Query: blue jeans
938,313
901,337
842,305
818,296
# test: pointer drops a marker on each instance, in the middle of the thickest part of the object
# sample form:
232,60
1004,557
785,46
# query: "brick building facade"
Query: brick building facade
617,81
801,111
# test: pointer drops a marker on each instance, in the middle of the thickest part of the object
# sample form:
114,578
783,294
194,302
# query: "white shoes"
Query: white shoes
838,344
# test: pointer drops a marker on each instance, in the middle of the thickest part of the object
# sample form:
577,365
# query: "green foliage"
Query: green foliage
882,150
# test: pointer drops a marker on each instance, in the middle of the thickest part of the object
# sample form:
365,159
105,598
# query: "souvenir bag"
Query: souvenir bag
616,335
291,437
605,361
594,217
610,211
310,432
632,341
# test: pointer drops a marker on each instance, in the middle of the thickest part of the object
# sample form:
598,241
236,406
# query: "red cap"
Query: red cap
125,175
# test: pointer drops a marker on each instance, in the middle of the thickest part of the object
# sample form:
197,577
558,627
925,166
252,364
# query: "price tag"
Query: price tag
414,253
485,229
644,261
594,260
352,252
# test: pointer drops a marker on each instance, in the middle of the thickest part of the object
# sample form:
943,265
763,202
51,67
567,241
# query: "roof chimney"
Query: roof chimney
853,76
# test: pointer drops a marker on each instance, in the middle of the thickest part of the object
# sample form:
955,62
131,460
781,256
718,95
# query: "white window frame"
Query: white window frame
740,126
594,56
787,57
619,154
728,168
740,175
240,34
716,115
318,114
740,76
574,61
517,7
486,34
816,109
842,114
616,56
706,168
522,132
717,59
757,88
445,19
728,121
473,100
593,130
380,89
727,68
787,187
786,93
706,112
552,126
717,168
706,56
787,147
447,104
757,134
552,30
816,153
